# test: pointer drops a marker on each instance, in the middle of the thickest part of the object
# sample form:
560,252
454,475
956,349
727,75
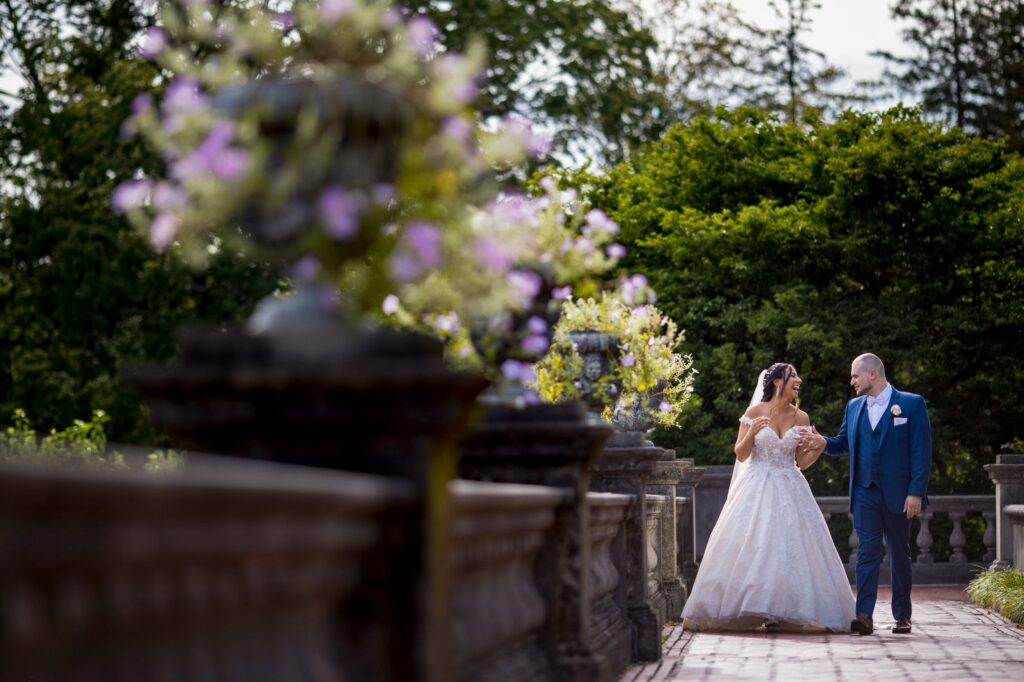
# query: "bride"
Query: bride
770,560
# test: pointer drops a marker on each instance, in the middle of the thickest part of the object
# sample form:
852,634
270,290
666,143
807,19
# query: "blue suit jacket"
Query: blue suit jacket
905,450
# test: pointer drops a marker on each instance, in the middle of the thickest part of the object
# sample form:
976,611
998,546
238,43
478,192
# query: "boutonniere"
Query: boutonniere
896,411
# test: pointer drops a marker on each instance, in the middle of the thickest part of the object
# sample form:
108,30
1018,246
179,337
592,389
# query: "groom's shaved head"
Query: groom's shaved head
870,362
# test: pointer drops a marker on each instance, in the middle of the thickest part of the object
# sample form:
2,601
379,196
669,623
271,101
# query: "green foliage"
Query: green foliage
878,232
582,67
82,296
81,445
1001,591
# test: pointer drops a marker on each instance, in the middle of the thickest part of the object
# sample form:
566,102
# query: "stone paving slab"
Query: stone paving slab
952,640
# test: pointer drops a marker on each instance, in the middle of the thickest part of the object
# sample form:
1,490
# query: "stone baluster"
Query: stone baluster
1008,475
610,629
687,528
499,608
924,539
655,595
957,539
664,481
990,536
854,542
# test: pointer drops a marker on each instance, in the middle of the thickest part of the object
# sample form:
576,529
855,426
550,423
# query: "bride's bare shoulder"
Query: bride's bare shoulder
802,419
758,410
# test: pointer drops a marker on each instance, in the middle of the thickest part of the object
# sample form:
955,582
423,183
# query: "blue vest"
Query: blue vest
868,440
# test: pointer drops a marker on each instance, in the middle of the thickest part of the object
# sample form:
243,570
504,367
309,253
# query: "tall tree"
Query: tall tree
583,68
968,63
81,294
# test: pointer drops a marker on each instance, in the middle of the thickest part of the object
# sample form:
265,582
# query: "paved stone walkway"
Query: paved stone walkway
952,640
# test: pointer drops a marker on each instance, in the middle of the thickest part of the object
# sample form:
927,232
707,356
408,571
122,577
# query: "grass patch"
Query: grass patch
1001,591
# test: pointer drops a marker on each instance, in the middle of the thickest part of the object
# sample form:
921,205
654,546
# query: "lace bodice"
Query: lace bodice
770,450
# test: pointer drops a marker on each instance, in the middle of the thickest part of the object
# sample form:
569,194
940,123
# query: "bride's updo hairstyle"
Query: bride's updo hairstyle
780,370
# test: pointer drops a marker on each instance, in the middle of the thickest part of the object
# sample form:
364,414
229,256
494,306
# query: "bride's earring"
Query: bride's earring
778,391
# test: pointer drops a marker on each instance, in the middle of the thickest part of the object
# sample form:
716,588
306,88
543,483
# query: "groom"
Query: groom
888,437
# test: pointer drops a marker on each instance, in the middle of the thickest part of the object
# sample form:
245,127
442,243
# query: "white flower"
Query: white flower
896,411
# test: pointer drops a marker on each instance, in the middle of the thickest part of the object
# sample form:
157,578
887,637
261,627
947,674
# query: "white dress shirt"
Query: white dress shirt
876,406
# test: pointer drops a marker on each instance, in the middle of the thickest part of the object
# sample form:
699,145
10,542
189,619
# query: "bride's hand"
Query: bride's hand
759,423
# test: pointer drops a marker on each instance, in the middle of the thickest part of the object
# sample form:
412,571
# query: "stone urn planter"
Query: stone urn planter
304,384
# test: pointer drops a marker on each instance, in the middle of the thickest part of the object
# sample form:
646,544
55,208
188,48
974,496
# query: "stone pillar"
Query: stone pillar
378,402
709,500
550,445
624,469
1008,475
664,481
687,527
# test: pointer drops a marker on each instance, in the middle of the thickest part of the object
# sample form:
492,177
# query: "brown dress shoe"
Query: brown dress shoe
862,624
902,626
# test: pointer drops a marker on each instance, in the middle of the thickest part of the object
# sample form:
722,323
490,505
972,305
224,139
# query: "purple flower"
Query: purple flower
340,212
390,305
492,254
635,290
168,197
391,18
585,245
535,344
182,97
548,184
628,360
162,231
154,41
230,165
599,220
458,128
664,321
130,194
422,35
527,284
561,293
285,21
664,407
616,251
142,104
425,241
332,10
537,325
404,267
513,370
208,153
306,269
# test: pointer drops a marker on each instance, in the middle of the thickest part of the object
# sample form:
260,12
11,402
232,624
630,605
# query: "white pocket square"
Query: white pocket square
899,421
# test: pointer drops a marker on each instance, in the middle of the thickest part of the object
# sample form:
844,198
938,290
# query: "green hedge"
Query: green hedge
1001,591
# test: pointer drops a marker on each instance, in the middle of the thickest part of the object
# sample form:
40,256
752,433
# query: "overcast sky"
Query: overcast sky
845,30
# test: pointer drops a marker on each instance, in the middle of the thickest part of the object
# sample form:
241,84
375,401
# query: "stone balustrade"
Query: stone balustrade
499,604
958,568
228,571
656,505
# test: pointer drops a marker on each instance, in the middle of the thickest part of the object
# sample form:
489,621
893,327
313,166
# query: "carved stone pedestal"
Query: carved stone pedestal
1008,475
551,445
624,470
375,402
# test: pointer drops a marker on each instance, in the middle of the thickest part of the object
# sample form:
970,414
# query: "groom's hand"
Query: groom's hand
811,441
912,507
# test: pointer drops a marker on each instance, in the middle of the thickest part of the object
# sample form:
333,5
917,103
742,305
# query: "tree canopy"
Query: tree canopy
878,232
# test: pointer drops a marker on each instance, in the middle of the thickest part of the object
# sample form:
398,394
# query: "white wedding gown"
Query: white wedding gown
770,555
